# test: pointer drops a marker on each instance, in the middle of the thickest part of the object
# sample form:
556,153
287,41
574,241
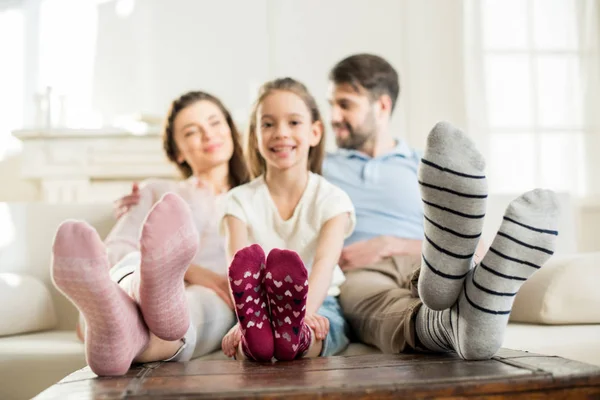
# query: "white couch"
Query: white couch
30,362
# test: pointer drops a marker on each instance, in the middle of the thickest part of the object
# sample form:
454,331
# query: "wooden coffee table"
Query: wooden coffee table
511,374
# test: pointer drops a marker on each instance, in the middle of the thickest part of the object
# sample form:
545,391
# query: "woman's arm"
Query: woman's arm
329,248
124,236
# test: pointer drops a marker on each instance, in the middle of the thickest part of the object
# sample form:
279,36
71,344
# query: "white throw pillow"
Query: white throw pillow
563,291
25,305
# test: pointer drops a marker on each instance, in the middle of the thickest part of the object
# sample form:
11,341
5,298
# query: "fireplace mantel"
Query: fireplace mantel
90,165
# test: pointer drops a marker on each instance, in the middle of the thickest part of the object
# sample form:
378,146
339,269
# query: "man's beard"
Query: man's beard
357,137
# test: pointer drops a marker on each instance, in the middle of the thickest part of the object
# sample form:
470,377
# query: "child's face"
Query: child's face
285,131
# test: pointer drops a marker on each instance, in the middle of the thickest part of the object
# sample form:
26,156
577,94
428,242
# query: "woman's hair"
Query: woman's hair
316,154
238,170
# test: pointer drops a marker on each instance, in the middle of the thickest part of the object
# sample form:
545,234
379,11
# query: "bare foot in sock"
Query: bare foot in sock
115,332
286,282
454,193
169,242
474,327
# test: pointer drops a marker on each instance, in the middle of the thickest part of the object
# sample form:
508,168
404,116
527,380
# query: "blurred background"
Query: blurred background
85,84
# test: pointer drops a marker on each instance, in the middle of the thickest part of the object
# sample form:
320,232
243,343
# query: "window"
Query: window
529,53
12,47
67,39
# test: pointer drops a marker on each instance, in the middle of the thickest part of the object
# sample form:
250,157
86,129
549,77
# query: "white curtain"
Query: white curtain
533,92
7,4
12,76
588,16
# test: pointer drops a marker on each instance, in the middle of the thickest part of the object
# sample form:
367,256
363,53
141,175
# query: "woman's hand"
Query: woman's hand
197,275
231,341
319,324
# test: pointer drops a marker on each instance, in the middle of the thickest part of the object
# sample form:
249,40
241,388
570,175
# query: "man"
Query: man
398,202
404,293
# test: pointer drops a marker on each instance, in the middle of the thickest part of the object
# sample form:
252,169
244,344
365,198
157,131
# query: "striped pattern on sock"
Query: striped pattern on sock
475,325
454,193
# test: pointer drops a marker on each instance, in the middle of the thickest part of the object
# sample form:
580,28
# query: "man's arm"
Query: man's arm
372,251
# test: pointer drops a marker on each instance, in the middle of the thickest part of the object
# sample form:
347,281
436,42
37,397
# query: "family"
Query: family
277,250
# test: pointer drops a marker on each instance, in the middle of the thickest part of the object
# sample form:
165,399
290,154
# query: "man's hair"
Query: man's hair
369,72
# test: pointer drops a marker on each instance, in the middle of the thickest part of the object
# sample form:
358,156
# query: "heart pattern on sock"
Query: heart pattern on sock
286,274
246,272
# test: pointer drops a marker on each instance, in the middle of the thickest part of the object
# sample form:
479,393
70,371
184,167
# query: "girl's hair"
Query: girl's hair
238,170
316,154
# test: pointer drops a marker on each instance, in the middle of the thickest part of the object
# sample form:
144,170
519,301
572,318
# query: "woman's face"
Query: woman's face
202,136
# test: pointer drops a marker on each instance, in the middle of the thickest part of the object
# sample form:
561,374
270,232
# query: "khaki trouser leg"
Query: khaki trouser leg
381,302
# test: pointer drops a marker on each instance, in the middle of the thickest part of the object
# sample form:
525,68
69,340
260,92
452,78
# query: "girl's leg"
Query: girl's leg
246,275
337,338
286,283
115,333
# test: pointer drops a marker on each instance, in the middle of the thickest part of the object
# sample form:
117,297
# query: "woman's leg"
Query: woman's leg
115,333
211,318
169,241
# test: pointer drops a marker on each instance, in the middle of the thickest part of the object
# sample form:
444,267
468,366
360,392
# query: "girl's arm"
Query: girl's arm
329,248
198,275
236,235
236,238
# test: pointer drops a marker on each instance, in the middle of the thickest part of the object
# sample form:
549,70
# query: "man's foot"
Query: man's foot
474,327
454,193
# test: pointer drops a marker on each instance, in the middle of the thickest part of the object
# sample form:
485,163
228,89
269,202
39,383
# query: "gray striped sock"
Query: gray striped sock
474,326
454,193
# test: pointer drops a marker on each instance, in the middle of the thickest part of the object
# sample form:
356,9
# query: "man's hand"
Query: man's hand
364,253
219,284
372,251
122,205
319,324
231,341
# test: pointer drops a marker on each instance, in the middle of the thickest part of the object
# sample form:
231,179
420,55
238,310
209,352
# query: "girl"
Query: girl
139,310
288,205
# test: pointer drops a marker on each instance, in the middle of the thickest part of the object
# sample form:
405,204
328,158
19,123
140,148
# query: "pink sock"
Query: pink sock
115,332
246,275
169,242
286,283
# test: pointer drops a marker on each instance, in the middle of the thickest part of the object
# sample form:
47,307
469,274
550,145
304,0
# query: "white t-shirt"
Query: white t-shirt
252,203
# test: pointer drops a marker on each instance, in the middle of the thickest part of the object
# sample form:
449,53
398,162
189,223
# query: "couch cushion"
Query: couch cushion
575,342
25,305
564,291
26,235
30,363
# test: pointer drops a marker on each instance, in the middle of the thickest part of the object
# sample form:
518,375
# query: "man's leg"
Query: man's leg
454,192
474,327
380,305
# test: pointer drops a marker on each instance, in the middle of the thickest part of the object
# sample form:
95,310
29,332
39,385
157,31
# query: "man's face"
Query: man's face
352,116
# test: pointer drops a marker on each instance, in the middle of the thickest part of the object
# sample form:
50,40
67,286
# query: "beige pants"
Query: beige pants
381,303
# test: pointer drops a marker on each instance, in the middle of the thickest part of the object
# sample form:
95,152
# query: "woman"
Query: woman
201,138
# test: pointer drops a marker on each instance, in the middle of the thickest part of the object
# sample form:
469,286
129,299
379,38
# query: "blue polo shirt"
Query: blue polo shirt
384,190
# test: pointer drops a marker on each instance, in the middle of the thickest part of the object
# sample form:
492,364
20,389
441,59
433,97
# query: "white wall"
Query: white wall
230,47
12,187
